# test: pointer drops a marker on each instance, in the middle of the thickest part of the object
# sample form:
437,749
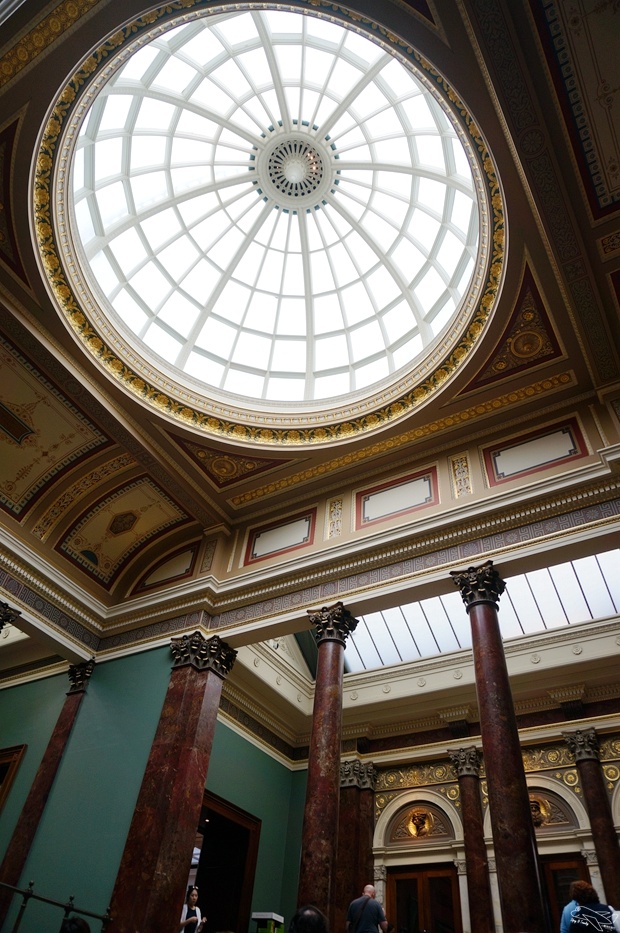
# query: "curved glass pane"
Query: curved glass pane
274,206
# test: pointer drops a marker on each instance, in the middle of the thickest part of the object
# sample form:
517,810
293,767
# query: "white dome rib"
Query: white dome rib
275,207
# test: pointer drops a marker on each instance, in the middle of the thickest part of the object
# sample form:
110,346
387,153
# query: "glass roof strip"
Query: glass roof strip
533,602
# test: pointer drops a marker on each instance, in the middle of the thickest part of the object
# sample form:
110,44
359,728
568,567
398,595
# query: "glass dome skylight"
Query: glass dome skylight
273,207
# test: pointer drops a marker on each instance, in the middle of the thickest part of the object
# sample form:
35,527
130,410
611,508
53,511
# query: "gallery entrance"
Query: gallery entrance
224,864
558,872
425,900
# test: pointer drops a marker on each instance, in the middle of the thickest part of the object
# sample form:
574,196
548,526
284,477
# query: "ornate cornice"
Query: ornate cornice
361,572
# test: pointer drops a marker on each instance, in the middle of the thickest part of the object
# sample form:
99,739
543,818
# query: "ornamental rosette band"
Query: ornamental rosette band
583,744
467,761
479,584
333,623
205,654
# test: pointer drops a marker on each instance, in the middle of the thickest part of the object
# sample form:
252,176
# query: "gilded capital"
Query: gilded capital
583,744
205,654
466,761
333,623
79,675
479,584
7,615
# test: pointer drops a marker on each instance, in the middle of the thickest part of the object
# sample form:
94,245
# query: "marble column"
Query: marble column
27,824
584,745
151,883
467,764
513,830
320,826
354,862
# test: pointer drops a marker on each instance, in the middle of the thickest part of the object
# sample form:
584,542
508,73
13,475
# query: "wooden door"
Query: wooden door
558,873
425,900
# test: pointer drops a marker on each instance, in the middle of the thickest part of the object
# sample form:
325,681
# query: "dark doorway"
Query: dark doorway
424,900
227,864
558,873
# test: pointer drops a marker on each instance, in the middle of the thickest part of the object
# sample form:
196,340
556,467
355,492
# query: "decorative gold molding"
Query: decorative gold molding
42,36
346,423
430,429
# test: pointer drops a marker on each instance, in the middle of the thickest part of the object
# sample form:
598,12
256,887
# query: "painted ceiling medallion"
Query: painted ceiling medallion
272,226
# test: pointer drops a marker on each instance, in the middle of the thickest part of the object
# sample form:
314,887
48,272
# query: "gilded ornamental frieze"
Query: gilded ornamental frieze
554,760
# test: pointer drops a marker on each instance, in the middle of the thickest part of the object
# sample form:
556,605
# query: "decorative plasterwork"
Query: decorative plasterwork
42,36
528,338
42,433
402,441
224,468
397,563
233,422
115,527
534,148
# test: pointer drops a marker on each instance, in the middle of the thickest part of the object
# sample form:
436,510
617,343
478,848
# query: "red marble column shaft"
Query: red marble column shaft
320,826
151,883
354,862
514,840
477,863
599,812
23,836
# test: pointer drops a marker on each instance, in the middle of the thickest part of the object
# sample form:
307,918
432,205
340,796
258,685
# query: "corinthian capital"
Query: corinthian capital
210,654
79,675
357,773
333,623
466,761
7,615
479,584
583,744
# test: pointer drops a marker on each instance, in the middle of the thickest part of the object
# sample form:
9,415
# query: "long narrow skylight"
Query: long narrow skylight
550,598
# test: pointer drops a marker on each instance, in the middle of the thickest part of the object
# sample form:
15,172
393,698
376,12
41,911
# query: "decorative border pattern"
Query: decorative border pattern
355,419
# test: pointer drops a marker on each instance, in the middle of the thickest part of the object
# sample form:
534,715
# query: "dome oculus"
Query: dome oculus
270,210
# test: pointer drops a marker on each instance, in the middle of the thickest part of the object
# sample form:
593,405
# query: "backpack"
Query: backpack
592,917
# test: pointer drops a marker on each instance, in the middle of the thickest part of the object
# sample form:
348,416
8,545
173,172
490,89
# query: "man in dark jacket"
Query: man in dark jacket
365,914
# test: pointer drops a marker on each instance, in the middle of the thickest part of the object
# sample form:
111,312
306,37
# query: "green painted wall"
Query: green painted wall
242,774
81,836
